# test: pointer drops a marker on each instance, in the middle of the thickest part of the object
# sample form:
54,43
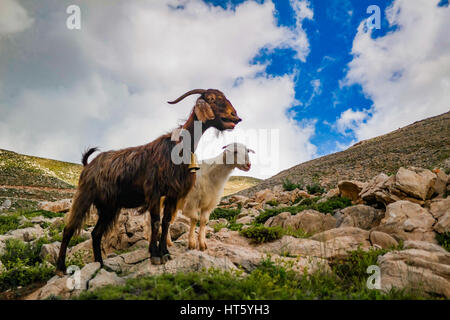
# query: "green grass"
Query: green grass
9,222
268,281
229,214
288,185
273,203
444,240
23,265
325,207
315,188
260,234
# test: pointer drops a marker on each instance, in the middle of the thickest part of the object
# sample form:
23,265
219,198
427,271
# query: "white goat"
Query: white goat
209,185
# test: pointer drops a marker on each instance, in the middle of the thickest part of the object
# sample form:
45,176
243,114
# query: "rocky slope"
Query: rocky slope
406,214
424,144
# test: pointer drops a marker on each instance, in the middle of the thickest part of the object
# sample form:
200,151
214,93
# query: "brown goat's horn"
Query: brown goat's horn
195,91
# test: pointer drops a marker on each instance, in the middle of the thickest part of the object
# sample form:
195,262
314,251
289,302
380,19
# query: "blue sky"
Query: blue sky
330,36
305,75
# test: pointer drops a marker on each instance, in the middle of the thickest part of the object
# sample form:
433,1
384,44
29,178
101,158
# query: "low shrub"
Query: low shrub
229,214
310,203
260,234
22,264
288,185
315,188
273,203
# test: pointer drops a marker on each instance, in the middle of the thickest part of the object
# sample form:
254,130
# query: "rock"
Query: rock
239,199
104,278
407,221
310,221
415,182
382,240
27,234
212,223
416,269
360,216
359,235
87,273
6,204
68,286
351,189
245,220
190,261
443,224
423,245
177,229
264,196
331,248
440,186
56,206
2,268
135,256
332,193
50,251
374,192
130,228
439,207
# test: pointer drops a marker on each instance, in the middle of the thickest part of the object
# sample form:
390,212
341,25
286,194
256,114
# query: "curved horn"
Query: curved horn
195,91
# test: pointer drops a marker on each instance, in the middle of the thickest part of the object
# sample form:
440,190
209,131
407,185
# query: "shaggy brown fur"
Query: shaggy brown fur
137,177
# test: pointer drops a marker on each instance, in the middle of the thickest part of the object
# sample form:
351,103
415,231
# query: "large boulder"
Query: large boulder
382,240
408,221
351,189
440,186
130,228
264,196
440,209
310,221
375,192
415,182
427,271
56,206
360,216
26,234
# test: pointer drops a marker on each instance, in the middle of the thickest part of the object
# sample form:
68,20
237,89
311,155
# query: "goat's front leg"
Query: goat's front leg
204,216
155,222
169,209
192,243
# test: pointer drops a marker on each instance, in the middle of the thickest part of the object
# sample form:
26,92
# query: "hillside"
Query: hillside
25,180
239,183
424,144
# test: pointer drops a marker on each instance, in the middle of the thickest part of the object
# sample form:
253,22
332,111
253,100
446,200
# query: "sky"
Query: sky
308,77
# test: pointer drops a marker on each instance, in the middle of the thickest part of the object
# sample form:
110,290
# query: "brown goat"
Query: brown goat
137,177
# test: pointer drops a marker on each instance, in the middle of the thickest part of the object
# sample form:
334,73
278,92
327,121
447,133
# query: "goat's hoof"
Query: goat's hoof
60,273
155,260
166,258
203,246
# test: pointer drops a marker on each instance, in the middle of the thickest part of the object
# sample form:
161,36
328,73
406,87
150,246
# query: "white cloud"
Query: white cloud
350,120
300,40
107,84
13,17
407,71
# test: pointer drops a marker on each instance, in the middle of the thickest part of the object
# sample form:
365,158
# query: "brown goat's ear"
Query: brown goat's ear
203,111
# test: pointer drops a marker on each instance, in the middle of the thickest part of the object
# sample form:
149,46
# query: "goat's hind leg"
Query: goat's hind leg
106,217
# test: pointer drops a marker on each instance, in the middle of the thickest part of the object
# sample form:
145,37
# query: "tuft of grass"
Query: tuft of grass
273,203
229,214
444,240
9,222
288,185
260,234
315,188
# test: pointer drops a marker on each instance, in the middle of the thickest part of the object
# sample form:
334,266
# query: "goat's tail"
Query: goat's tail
79,211
86,154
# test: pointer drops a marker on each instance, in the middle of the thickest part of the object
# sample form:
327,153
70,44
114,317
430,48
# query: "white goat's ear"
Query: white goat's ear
251,151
